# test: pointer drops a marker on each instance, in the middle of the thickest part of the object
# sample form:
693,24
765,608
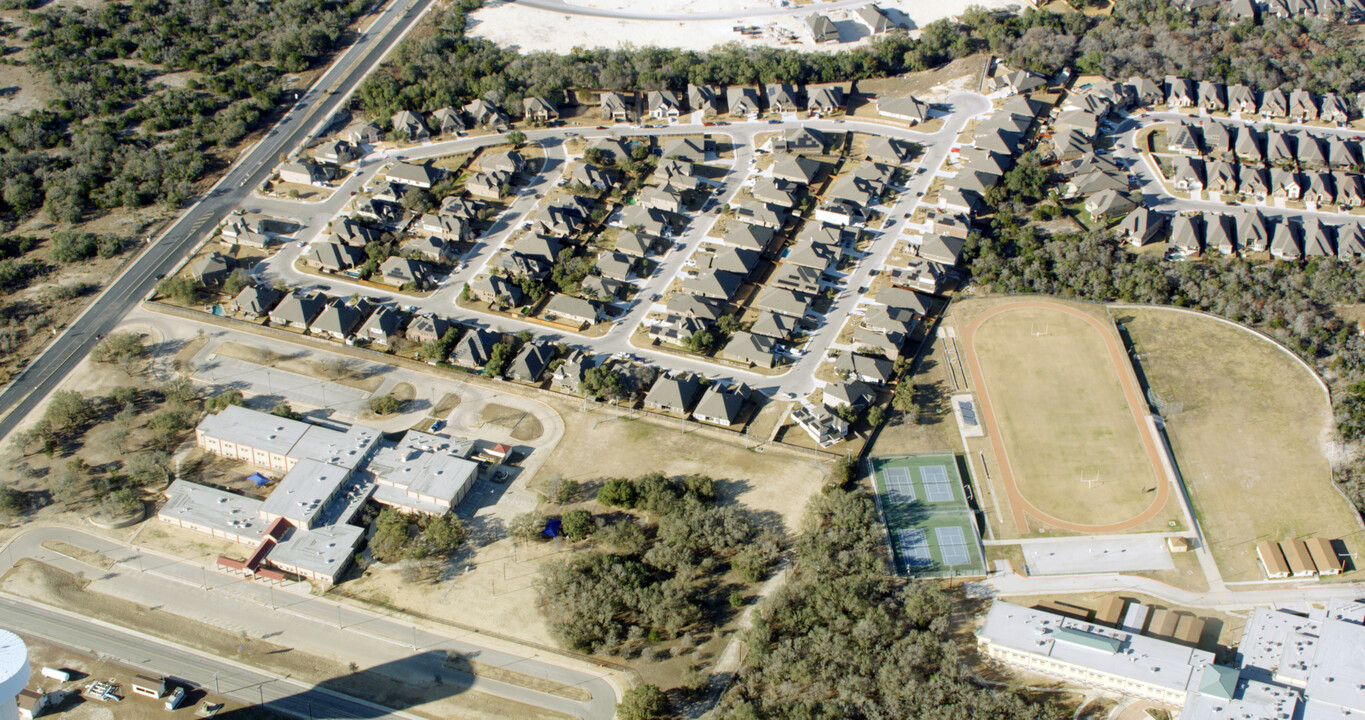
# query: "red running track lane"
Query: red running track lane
1019,505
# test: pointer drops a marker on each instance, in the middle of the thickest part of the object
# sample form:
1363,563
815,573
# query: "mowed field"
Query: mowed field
1249,436
1073,445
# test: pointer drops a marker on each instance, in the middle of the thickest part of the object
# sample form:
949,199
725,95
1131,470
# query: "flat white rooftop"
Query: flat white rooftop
1155,662
207,507
322,551
304,491
253,428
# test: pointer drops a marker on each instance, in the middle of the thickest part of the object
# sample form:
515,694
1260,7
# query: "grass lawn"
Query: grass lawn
1063,417
1250,436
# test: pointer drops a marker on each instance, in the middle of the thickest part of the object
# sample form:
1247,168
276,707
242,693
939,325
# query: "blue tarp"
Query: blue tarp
551,528
259,479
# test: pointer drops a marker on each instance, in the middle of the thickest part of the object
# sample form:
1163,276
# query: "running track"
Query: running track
1019,505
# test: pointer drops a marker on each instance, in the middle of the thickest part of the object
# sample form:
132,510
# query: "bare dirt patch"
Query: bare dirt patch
338,370
522,424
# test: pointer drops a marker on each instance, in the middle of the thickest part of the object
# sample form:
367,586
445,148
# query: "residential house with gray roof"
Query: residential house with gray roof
716,284
908,109
1302,107
474,349
663,105
1142,226
1287,242
637,245
1212,97
1274,105
495,289
705,99
615,265
1351,242
1242,99
428,328
333,256
338,320
617,107
743,102
383,327
1187,234
821,28
855,394
574,310
255,301
870,369
487,115
449,120
750,349
874,19
1253,231
825,101
1317,239
421,176
1220,234
744,235
530,363
409,126
673,394
721,404
796,168
686,148
539,109
297,310
774,325
400,272
781,300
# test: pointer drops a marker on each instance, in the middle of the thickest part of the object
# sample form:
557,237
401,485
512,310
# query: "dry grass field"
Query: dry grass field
1250,436
1075,450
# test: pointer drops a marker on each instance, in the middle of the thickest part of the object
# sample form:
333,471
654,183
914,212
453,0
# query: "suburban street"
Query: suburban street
288,616
317,106
799,379
1157,197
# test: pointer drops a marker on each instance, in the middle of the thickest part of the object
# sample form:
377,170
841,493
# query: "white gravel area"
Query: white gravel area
530,28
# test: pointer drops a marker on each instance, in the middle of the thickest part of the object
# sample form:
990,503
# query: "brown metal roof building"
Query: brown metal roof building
1057,607
1189,630
1111,611
1300,562
1272,560
1324,556
1163,624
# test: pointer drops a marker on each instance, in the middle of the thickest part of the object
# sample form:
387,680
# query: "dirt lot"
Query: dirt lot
1250,436
1075,450
350,374
597,446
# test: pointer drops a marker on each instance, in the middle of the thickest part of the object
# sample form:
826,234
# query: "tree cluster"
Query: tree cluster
399,537
645,579
843,639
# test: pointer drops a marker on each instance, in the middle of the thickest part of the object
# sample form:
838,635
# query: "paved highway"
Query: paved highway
384,647
143,652
46,372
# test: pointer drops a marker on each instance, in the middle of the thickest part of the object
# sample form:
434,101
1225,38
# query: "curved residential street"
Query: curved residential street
799,379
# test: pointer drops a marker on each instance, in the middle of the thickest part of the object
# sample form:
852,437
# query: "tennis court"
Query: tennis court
924,504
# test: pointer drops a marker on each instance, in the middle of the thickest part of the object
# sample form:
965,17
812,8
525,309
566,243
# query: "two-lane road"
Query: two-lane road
47,371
